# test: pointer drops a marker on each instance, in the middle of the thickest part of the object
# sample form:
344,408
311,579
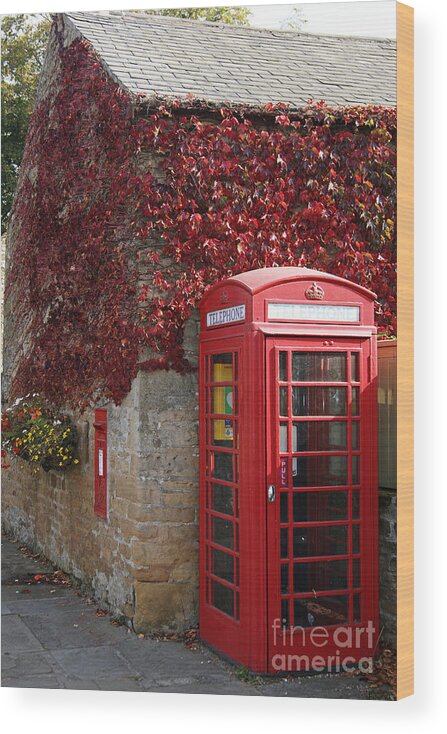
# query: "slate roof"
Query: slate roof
172,57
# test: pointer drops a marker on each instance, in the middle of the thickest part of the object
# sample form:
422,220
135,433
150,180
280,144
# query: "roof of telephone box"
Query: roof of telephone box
258,280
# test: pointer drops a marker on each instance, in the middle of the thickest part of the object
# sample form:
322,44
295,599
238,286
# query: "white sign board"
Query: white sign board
100,463
226,316
312,312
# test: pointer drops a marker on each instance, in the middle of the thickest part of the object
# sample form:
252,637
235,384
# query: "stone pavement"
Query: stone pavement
53,638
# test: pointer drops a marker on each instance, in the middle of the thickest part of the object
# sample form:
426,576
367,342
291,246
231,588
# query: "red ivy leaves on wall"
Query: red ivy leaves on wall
70,230
316,188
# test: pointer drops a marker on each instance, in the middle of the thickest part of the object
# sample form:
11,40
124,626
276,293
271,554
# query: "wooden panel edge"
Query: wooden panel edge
405,361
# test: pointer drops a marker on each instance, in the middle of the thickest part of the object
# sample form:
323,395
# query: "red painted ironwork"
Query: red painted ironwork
100,426
288,465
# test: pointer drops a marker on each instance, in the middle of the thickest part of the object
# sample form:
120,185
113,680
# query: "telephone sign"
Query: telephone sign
226,316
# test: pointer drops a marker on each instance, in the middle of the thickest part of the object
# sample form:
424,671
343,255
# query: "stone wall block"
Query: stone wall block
180,499
188,571
173,514
173,464
144,553
163,606
138,512
387,564
155,572
130,489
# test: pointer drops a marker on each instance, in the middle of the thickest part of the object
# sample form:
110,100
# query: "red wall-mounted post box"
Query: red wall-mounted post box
100,426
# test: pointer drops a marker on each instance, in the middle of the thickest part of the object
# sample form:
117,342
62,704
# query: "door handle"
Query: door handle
271,493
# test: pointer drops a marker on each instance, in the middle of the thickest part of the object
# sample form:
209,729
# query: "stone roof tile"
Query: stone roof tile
253,66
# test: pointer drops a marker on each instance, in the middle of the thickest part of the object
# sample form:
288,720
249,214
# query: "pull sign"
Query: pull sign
283,471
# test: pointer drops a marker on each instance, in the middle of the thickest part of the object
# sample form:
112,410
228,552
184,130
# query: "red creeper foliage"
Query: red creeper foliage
315,188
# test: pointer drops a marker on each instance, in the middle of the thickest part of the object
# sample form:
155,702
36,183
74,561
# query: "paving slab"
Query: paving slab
16,564
42,680
318,686
29,604
77,684
17,637
164,666
19,664
120,683
64,628
229,688
93,662
153,658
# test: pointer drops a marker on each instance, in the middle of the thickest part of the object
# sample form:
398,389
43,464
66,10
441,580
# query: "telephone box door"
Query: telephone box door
321,505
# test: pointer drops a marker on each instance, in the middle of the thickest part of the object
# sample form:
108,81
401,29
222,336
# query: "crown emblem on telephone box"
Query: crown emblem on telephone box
314,292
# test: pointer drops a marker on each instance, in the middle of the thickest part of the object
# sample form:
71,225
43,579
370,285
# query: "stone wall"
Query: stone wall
53,512
142,561
166,556
387,400
387,564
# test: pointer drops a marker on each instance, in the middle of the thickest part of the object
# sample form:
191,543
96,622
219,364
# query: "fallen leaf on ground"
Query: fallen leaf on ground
384,674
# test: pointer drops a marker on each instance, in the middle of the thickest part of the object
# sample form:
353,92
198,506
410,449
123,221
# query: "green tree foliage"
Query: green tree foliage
224,14
23,48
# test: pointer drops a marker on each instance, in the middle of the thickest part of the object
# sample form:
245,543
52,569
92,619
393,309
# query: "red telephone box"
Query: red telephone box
288,464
